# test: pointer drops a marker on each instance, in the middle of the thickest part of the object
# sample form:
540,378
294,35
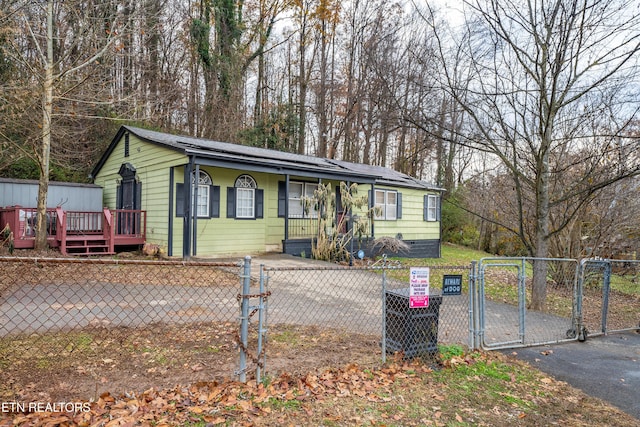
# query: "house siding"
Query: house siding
412,225
234,236
155,164
152,164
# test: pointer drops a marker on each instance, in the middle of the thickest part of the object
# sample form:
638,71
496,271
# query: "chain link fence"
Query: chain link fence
611,295
623,312
80,327
85,326
362,311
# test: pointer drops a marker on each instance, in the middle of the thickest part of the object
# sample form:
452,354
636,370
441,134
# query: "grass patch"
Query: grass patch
447,352
285,337
277,404
626,284
467,389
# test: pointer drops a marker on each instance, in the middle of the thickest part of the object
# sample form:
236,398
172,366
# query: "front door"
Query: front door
128,200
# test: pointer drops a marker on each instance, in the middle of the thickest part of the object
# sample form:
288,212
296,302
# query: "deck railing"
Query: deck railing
305,228
127,226
22,222
119,226
301,228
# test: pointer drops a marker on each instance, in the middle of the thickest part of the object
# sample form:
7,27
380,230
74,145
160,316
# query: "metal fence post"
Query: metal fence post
261,331
244,318
473,311
383,343
522,300
577,322
606,285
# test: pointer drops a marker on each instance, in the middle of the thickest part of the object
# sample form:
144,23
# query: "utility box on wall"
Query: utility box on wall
412,331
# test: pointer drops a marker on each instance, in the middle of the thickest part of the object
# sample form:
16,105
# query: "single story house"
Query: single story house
251,200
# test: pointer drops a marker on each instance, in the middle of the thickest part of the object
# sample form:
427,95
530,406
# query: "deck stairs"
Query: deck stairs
87,244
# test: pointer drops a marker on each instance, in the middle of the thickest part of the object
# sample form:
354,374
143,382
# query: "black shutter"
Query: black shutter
214,201
282,198
438,207
259,203
231,202
425,209
180,200
399,205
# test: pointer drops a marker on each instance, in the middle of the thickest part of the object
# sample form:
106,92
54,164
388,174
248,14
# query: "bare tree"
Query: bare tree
550,80
55,44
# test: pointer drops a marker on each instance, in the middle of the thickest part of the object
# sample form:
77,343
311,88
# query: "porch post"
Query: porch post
286,208
170,219
372,204
351,227
186,228
194,220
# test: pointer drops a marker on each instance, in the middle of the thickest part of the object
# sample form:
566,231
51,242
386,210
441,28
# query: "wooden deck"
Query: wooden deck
78,233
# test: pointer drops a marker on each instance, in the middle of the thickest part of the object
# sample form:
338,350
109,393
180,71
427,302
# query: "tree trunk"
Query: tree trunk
540,266
322,95
43,185
302,86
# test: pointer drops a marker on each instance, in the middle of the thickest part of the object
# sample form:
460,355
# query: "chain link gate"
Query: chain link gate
611,295
502,315
367,305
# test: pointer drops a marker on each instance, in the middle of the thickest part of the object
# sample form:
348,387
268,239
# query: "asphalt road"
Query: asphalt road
607,367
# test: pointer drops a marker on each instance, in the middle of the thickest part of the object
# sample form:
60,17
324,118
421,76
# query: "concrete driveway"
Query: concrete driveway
607,367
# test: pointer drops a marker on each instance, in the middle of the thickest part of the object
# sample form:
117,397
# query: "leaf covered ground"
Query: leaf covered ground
458,389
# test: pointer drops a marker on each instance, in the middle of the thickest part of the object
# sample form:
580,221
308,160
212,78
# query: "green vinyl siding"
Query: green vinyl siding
152,164
234,236
412,225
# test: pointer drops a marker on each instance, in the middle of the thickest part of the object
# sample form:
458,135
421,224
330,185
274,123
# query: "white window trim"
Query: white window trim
246,183
313,213
389,212
204,197
432,207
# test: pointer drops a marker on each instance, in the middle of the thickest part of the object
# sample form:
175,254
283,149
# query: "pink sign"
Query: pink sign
419,287
419,302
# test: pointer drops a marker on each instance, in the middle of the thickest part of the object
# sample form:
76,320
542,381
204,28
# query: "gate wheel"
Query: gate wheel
571,333
583,334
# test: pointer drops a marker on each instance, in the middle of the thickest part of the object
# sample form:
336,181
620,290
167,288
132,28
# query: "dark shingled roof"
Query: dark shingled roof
223,154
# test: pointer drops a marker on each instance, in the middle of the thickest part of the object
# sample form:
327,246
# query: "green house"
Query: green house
247,200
